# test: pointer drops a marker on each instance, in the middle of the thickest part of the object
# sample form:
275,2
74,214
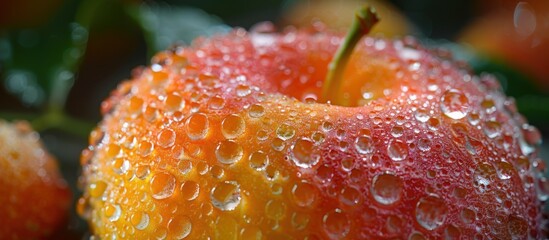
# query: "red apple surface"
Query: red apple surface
233,138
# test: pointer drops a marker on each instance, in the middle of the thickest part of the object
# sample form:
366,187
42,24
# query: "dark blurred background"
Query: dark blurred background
63,57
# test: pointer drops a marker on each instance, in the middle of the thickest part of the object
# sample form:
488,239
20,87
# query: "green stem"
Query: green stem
60,121
366,18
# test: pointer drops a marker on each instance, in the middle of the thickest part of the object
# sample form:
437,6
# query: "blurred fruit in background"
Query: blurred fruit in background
335,14
513,33
34,197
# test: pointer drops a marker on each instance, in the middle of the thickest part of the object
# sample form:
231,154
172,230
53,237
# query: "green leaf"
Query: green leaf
166,25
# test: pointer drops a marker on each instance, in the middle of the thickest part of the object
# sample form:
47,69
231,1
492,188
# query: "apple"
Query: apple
260,135
35,197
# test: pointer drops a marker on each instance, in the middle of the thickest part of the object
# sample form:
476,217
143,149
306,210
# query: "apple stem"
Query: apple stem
366,18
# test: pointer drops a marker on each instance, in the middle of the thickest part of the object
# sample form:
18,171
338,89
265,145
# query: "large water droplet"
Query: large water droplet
162,185
112,211
397,150
197,126
189,190
226,195
454,104
336,224
350,196
524,19
483,176
364,144
140,220
275,210
166,138
232,126
285,131
304,194
180,226
517,226
174,102
228,152
303,153
259,160
431,212
492,129
256,111
386,188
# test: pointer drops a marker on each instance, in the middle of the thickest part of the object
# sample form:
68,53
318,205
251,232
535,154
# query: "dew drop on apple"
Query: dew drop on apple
304,194
258,160
300,220
256,111
350,196
97,189
397,150
189,190
184,166
431,212
243,90
142,171
336,224
397,131
226,195
492,129
327,126
180,226
454,104
162,185
386,188
303,153
112,212
197,126
531,134
364,144
232,126
228,152
140,220
468,216
251,233
483,176
424,144
173,102
517,227
145,148
275,209
217,103
416,236
166,138
422,115
285,131
452,233
120,165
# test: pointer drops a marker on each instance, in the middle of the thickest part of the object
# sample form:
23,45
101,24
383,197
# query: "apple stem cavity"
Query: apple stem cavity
365,18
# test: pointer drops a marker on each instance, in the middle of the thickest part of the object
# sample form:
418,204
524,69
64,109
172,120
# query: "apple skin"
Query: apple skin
224,139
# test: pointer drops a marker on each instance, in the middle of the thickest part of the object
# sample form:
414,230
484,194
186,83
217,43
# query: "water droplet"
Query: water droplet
162,185
452,232
275,210
189,190
416,236
97,189
285,131
243,90
259,160
173,102
228,152
184,166
217,103
226,195
483,176
468,216
251,233
145,148
397,150
431,212
492,129
135,107
505,170
112,211
386,188
422,115
197,126
524,19
350,196
166,138
517,226
278,144
300,220
142,171
327,126
454,104
180,226
120,165
397,131
140,220
232,126
304,194
303,153
364,144
256,111
424,144
336,224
